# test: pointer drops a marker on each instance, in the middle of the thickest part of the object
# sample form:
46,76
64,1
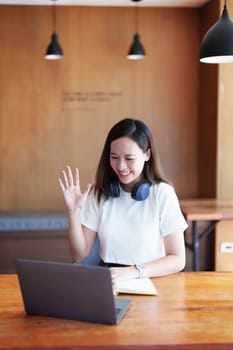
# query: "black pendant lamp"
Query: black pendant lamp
54,50
217,44
136,51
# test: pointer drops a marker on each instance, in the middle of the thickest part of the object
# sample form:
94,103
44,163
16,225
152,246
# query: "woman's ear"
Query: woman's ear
148,154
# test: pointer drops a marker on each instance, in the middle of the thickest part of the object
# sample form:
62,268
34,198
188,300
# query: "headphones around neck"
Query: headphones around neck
140,191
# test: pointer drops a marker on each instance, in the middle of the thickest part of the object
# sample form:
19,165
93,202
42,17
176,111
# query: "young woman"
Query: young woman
132,209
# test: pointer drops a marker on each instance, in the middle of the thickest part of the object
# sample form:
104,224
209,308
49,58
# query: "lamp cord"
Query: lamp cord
136,18
136,14
54,16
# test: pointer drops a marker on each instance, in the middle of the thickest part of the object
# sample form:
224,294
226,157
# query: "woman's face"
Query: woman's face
127,160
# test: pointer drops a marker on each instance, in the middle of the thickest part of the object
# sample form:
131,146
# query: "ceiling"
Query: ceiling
149,3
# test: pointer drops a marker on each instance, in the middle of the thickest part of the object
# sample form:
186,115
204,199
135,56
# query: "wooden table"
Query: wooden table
193,310
211,210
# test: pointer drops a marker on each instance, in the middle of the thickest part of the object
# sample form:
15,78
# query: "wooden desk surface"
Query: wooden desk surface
207,209
192,310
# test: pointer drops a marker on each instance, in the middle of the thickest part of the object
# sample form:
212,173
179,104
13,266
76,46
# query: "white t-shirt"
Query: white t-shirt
131,232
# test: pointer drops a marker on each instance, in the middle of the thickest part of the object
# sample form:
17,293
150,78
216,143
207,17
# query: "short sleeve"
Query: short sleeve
170,214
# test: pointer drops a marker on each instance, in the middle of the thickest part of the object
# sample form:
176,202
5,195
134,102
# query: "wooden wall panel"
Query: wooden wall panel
58,113
225,133
207,130
224,232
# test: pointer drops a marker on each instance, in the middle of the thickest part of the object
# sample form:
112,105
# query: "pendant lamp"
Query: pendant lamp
136,51
217,44
54,50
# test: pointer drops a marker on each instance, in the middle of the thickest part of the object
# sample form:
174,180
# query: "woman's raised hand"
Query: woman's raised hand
70,187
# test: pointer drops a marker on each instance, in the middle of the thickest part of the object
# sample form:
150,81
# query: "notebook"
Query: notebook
136,286
69,291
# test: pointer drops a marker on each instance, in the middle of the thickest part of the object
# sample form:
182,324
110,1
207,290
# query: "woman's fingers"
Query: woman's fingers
69,185
61,185
77,177
114,275
70,175
69,181
66,182
68,178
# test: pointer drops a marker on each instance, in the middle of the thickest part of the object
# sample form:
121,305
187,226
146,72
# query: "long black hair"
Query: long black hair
141,134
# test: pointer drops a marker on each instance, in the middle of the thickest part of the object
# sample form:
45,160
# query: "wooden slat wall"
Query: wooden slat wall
225,127
224,232
207,129
58,113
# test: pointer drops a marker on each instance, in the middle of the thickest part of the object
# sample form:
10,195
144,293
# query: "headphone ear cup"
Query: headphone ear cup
141,191
114,189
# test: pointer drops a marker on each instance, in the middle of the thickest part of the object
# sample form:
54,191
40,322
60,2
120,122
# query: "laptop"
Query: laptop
69,291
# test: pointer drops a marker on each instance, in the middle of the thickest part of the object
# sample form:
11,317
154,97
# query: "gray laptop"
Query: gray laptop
69,291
